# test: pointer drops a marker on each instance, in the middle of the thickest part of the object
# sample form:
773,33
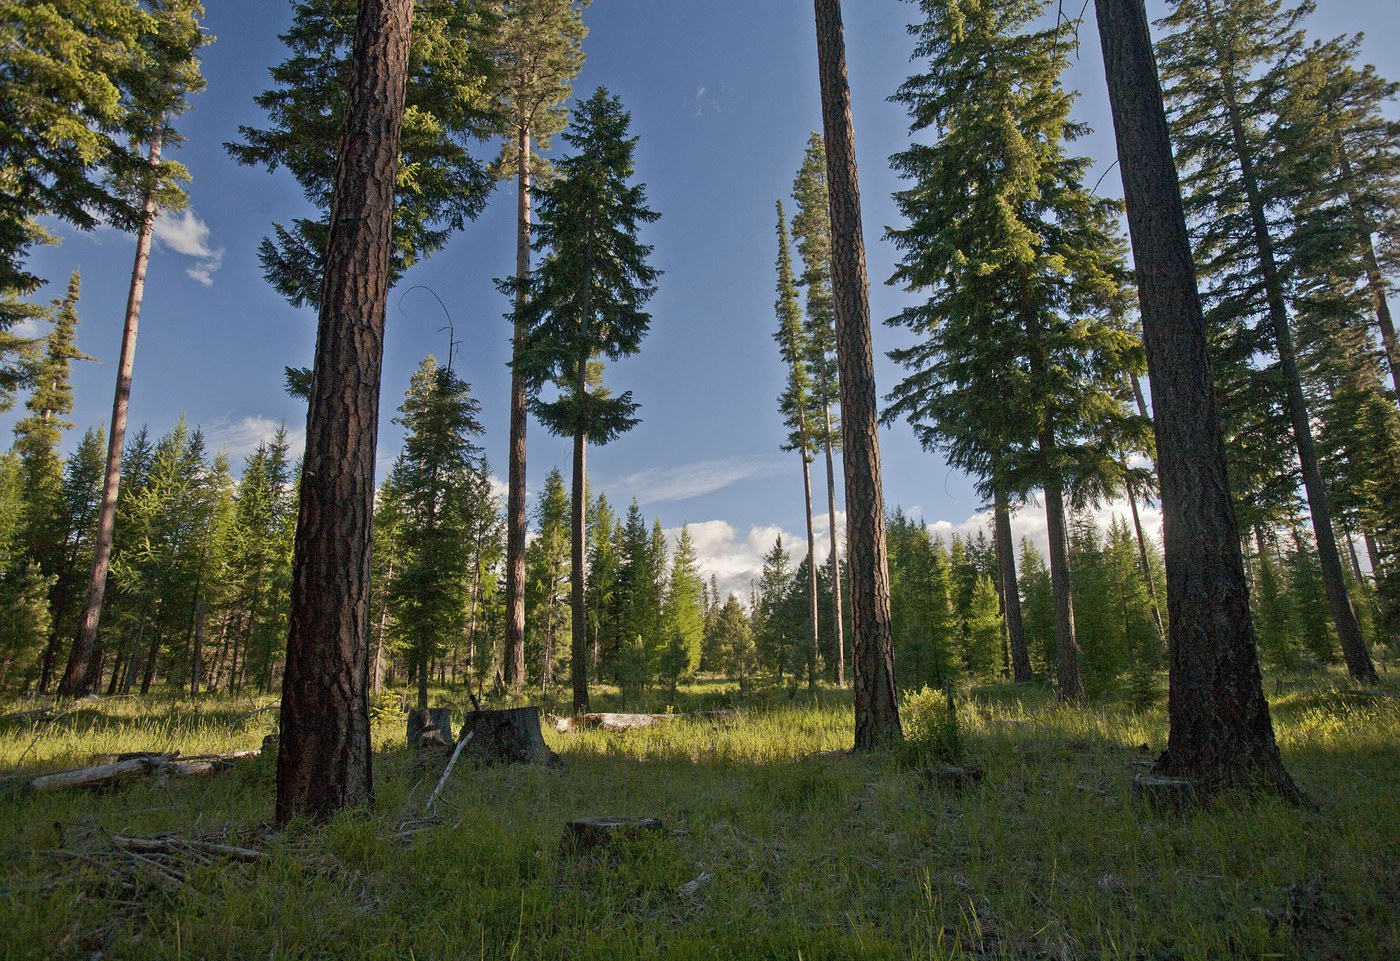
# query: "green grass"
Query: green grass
805,856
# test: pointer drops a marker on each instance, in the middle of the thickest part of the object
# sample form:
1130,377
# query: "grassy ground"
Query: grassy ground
772,853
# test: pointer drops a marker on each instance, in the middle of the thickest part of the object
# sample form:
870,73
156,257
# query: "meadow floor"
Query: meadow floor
771,852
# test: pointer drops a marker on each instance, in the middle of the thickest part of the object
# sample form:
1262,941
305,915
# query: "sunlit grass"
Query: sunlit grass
803,852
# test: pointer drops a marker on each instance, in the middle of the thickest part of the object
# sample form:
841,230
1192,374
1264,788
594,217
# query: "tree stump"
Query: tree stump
430,728
583,835
953,777
510,736
1172,793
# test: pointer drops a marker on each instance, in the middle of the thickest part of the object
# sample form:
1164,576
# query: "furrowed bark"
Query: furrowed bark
876,710
1220,729
323,760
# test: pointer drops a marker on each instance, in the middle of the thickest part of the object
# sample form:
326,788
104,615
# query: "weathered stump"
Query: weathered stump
1172,793
953,777
583,835
510,736
431,727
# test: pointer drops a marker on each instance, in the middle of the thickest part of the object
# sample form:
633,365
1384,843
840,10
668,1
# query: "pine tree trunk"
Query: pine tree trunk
813,647
516,523
324,760
1220,730
1068,656
876,710
838,628
1011,592
1354,649
77,678
578,647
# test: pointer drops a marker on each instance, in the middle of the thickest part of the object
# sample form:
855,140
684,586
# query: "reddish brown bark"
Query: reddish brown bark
876,710
515,494
323,759
1220,729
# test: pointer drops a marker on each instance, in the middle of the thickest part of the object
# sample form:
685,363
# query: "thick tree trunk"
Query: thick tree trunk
838,628
516,523
1068,656
323,760
77,678
876,710
814,645
1220,730
1011,592
1354,649
578,647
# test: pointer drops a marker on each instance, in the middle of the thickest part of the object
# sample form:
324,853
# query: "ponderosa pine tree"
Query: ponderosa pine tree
921,604
1220,730
324,762
585,302
796,403
433,478
159,87
538,52
1225,63
811,227
1018,377
876,710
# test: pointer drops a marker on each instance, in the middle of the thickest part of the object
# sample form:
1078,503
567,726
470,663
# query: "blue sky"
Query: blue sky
723,95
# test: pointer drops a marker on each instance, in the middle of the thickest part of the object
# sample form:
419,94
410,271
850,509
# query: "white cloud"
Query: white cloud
499,489
736,560
1029,522
186,234
240,438
661,484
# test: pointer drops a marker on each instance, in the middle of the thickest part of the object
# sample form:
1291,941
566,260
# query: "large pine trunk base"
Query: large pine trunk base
509,736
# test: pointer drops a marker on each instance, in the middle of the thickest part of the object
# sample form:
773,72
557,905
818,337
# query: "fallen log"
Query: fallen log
628,722
135,765
36,716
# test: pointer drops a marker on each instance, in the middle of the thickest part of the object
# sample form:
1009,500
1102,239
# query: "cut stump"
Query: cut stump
591,834
1167,792
430,728
510,736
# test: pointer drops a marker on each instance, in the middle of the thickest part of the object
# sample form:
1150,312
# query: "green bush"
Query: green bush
931,732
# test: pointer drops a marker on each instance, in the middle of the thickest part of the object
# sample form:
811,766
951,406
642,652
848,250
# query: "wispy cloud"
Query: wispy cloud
661,484
703,103
186,234
240,438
